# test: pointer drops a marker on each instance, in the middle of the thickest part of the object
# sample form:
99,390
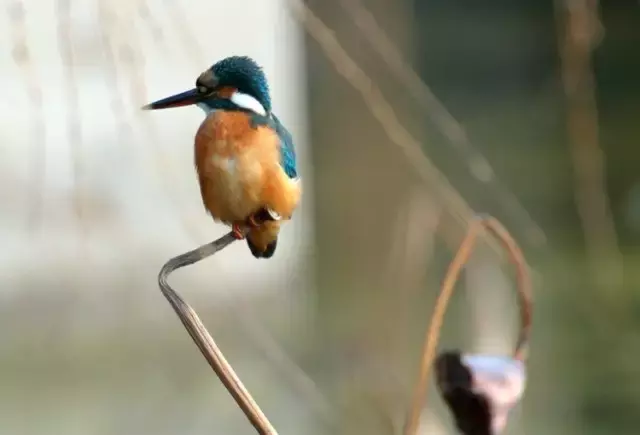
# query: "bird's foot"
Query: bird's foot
237,231
254,220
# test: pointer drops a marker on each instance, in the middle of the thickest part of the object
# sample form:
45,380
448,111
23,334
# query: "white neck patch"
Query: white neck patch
248,102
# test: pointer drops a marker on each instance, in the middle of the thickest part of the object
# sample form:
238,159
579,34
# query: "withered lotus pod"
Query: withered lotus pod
480,390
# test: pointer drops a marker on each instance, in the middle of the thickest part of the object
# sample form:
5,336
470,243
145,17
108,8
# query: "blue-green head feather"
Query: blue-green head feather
244,74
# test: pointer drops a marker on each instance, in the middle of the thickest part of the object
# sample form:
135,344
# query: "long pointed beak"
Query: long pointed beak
187,98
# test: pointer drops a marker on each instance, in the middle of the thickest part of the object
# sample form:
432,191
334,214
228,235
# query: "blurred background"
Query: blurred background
408,117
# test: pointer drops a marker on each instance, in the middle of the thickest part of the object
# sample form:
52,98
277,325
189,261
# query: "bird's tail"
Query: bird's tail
262,241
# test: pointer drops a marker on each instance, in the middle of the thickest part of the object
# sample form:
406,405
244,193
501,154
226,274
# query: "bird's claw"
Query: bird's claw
237,232
254,221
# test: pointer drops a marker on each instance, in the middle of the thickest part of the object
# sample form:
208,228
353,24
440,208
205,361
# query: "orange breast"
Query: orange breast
237,165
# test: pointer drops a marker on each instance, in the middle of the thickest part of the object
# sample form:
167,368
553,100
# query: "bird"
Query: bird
244,156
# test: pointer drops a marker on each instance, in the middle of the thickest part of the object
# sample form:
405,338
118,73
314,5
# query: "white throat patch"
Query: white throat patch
248,102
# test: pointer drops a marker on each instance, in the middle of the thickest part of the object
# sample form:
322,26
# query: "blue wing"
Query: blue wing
287,150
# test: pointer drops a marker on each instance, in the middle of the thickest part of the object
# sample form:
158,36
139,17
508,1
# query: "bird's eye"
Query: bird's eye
206,83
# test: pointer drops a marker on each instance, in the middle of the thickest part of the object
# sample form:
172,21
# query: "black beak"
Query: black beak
187,98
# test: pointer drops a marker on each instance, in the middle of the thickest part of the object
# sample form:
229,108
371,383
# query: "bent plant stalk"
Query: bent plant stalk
203,339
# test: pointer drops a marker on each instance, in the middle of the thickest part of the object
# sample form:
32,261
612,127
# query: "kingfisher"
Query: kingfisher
244,156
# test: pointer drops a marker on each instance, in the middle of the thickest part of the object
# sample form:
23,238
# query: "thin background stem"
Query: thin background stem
383,112
23,58
444,121
579,32
74,126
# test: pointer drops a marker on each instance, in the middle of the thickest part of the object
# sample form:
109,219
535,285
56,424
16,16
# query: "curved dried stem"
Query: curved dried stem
203,339
446,291
523,284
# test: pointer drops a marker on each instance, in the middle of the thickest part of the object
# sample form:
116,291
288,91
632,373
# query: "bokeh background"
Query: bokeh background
409,116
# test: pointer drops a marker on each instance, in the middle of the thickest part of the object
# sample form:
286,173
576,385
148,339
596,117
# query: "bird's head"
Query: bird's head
237,79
